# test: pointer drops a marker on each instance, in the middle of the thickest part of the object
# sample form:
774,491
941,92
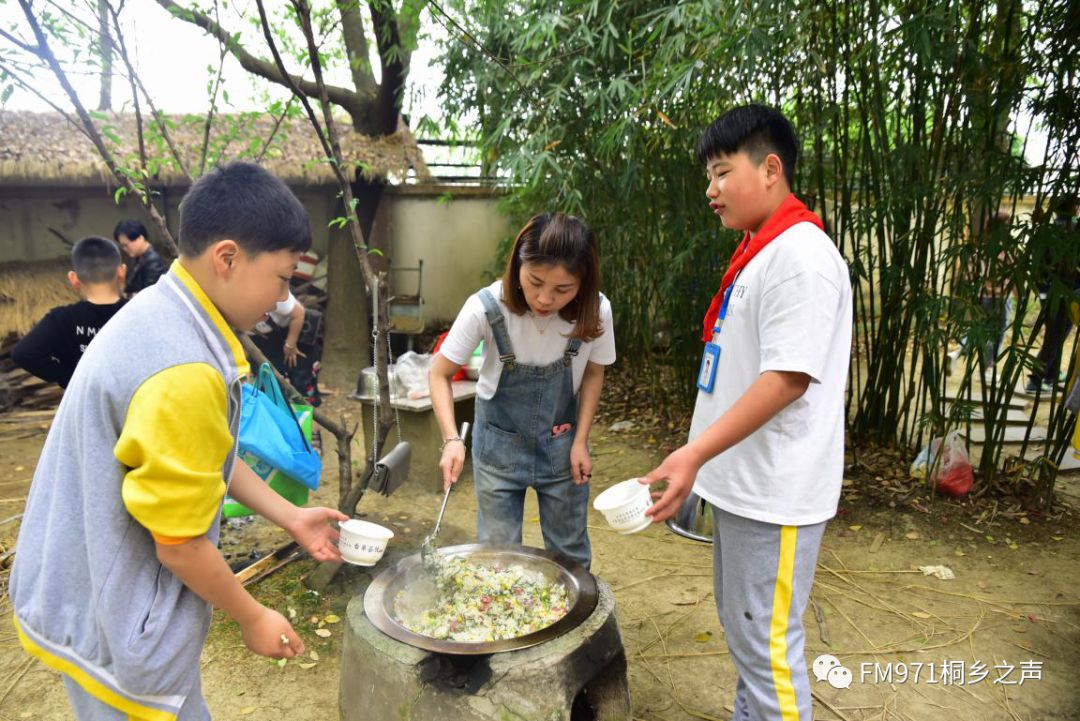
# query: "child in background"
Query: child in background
118,566
53,347
547,336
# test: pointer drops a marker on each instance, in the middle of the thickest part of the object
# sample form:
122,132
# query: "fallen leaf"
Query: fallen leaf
323,633
913,536
959,552
292,613
875,545
306,666
331,618
247,709
1013,546
314,620
281,662
856,527
920,614
314,655
990,539
1025,520
1058,538
702,637
20,468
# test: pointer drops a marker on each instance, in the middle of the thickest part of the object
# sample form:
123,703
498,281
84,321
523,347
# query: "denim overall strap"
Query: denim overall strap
498,328
571,351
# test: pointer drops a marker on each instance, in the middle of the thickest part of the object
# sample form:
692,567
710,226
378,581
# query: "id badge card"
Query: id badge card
707,372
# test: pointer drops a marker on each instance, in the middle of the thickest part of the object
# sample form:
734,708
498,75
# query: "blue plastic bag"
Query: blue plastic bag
270,432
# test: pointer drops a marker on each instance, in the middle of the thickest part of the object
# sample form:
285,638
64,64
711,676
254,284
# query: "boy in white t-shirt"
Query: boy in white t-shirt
766,445
547,335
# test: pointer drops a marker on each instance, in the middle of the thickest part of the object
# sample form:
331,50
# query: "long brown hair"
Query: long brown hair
559,239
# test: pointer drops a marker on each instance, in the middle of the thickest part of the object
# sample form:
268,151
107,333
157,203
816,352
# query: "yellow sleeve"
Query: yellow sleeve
175,442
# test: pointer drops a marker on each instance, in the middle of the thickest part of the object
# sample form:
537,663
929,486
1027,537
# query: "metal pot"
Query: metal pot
370,382
694,519
384,609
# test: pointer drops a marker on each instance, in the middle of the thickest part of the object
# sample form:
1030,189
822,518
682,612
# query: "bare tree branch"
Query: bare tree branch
46,54
106,51
18,43
121,47
273,131
31,88
347,99
213,103
296,91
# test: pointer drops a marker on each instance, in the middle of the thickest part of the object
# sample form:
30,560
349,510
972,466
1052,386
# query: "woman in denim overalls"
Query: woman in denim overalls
547,337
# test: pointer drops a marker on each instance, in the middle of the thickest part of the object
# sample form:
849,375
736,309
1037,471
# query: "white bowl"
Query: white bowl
624,506
363,543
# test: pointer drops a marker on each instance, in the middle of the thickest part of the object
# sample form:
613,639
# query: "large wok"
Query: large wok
385,610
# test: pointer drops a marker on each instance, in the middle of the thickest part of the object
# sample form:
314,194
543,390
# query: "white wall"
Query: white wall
28,214
456,231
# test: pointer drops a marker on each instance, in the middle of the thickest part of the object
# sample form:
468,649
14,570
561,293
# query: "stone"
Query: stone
580,674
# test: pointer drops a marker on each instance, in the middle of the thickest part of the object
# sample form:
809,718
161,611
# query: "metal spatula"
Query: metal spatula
428,552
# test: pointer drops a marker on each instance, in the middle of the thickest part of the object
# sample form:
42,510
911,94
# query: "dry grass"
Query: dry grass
28,289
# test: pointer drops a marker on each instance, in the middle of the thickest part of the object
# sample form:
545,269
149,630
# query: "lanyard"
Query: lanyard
724,304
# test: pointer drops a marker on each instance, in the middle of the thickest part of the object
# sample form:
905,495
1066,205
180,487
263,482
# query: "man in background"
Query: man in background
148,265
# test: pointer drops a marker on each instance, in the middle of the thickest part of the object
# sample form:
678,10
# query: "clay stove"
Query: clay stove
573,672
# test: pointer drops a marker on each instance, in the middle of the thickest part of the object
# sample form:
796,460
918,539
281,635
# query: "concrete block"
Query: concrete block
580,673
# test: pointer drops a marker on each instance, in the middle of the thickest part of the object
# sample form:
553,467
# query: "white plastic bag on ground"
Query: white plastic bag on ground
920,467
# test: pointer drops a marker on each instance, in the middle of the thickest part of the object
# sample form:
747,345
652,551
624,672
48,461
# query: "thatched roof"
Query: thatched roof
45,149
29,289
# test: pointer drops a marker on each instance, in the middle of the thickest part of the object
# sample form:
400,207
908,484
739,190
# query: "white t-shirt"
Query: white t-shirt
281,312
790,310
530,346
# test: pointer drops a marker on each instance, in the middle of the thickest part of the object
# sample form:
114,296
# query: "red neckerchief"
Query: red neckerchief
790,212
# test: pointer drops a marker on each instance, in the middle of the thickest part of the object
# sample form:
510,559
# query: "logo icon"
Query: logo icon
828,668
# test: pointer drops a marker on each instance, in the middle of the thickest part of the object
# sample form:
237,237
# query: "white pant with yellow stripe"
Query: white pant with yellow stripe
762,574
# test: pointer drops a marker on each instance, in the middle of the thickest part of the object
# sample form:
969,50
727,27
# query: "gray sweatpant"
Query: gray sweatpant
762,574
89,708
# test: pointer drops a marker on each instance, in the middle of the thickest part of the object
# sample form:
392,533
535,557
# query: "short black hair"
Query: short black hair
95,260
755,129
131,229
245,203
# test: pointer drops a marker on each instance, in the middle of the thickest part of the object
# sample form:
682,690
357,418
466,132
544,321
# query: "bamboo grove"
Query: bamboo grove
917,121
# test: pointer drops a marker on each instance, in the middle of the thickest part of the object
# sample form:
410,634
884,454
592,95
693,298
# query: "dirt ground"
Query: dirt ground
1009,621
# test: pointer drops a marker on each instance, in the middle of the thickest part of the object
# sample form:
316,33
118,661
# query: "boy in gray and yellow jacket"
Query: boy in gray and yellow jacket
118,564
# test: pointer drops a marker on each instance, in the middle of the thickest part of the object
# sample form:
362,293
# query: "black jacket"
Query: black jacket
147,269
